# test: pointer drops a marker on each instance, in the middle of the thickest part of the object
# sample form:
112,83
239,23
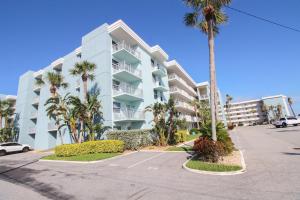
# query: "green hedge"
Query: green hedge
180,136
195,131
100,146
133,139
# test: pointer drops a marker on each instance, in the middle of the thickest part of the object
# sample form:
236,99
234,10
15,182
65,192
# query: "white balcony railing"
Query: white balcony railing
184,104
52,126
122,45
32,130
125,88
36,100
129,115
126,67
37,88
203,97
33,115
183,82
182,92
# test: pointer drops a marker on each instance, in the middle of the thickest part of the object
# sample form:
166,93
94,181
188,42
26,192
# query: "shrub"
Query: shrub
195,131
180,136
133,139
100,146
208,150
222,136
230,125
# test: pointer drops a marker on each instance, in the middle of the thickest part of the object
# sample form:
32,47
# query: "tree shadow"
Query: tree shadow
24,177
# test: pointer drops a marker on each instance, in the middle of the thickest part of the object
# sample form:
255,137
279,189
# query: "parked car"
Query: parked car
286,121
9,147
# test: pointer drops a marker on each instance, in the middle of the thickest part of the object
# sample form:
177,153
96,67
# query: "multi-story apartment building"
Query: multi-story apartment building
12,99
130,75
250,112
203,93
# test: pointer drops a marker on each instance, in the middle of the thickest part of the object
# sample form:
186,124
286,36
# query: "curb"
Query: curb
87,162
165,151
243,170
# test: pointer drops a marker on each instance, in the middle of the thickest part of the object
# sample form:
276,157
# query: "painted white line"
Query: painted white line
142,161
243,170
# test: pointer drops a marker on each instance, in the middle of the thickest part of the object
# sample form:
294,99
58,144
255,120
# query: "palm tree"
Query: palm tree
279,111
4,106
55,80
206,16
173,114
84,69
290,101
195,104
228,106
265,110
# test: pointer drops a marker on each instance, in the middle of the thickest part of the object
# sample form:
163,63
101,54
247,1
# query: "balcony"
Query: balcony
57,64
160,86
126,52
203,97
33,115
184,105
175,78
126,72
127,92
37,88
36,101
52,127
158,70
129,116
32,130
181,93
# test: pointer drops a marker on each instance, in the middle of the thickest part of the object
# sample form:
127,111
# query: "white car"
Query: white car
286,121
9,147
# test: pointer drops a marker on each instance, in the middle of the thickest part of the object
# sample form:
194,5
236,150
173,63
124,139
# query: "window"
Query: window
155,94
152,62
116,107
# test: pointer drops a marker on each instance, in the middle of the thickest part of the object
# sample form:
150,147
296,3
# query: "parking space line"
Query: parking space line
142,161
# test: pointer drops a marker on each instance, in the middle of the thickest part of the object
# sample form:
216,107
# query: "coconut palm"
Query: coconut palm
206,16
290,101
228,106
4,108
195,104
55,80
279,111
172,120
84,69
265,110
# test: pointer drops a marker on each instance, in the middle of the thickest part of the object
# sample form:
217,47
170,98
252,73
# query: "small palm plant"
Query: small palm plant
55,80
207,15
5,111
291,102
84,69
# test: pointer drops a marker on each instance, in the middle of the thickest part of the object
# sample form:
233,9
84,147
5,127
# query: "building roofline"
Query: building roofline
171,63
202,84
248,101
140,41
275,96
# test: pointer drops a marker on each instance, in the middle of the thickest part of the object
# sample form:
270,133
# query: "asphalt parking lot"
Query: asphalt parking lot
271,155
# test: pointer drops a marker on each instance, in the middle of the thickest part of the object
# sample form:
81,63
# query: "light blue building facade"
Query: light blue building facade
130,76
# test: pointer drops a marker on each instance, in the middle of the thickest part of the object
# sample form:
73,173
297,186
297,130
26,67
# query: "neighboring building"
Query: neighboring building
130,75
250,112
12,99
203,93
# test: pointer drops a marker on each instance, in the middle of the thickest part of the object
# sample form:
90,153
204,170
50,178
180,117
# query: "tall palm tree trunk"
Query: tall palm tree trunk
0,121
292,110
212,72
216,99
196,112
85,90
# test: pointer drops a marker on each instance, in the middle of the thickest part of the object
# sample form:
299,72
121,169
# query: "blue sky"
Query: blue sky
253,58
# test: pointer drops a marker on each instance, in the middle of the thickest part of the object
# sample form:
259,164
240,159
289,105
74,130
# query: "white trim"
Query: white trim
275,96
140,41
174,63
202,84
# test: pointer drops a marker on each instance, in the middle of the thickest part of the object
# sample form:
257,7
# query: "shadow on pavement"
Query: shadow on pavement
291,154
25,177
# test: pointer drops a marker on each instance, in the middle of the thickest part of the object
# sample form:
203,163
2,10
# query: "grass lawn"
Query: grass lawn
86,157
184,148
213,167
192,137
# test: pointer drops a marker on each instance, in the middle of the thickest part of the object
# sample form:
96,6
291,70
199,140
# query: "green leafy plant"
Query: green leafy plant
181,136
90,147
133,139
